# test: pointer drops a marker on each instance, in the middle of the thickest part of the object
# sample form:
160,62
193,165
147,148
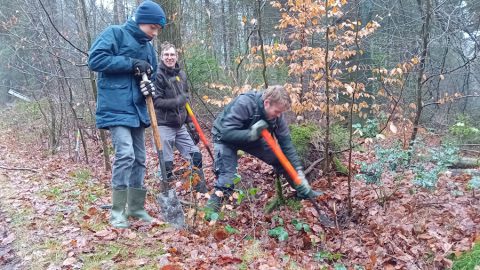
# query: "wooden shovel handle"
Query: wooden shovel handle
153,118
156,136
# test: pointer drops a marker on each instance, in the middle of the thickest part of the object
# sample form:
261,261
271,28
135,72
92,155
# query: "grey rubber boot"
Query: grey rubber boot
136,204
118,218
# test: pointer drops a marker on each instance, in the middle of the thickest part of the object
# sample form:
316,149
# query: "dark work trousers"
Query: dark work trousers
226,160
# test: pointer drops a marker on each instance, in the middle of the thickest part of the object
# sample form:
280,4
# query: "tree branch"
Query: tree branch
55,27
455,98
18,169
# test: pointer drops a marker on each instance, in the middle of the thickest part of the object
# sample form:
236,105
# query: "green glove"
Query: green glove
304,190
256,129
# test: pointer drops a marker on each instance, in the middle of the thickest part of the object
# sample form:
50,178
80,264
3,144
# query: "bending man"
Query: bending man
238,127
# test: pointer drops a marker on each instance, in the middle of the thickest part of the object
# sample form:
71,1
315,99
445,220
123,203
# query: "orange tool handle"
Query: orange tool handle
281,156
197,127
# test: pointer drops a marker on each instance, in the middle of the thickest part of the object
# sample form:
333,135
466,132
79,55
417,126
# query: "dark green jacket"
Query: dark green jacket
233,124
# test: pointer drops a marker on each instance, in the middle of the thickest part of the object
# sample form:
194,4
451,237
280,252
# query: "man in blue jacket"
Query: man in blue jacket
120,55
238,127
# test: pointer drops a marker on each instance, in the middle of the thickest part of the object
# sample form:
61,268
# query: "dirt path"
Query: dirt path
8,257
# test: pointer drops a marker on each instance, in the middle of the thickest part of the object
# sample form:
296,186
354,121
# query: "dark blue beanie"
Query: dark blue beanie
149,12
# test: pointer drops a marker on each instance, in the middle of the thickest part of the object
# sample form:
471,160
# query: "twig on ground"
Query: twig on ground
18,169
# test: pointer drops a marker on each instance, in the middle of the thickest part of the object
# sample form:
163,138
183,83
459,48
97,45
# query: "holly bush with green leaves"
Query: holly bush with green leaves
433,164
388,160
426,163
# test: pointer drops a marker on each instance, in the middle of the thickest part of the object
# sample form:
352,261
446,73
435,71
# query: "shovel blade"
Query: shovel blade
171,208
326,221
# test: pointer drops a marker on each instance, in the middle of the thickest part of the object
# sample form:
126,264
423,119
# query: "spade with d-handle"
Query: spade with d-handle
170,206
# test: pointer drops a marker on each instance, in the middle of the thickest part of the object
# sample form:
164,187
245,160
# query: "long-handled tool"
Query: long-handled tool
170,205
324,220
199,130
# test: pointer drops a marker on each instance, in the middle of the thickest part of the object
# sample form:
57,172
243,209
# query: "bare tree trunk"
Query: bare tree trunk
224,36
327,94
260,40
103,137
118,11
210,39
172,32
352,102
232,35
426,15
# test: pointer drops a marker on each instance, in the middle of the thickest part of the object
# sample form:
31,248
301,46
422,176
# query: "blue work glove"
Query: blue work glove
147,88
304,190
256,129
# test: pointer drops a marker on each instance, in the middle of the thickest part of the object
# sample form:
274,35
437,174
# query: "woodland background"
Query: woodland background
390,89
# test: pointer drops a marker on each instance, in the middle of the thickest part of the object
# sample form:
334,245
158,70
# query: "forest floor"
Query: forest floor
51,217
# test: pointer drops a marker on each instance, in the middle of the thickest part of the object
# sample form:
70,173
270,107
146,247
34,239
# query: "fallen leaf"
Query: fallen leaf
220,234
69,261
106,234
92,211
224,260
131,235
424,236
171,267
9,239
136,262
393,128
173,250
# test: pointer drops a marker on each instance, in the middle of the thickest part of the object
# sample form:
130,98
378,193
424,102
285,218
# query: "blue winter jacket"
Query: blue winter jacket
119,100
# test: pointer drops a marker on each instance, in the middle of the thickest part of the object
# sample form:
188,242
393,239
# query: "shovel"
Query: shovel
170,205
324,219
199,130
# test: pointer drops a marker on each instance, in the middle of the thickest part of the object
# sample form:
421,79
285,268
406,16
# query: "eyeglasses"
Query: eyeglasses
169,54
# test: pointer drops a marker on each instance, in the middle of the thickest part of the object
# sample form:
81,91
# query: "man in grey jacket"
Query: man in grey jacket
238,127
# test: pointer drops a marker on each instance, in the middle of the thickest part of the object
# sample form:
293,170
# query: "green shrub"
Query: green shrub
388,160
464,131
338,136
367,130
435,162
201,65
302,136
474,183
468,260
278,232
305,135
22,113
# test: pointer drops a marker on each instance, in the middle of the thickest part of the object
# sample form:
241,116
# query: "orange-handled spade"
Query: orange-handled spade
199,130
281,156
324,220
